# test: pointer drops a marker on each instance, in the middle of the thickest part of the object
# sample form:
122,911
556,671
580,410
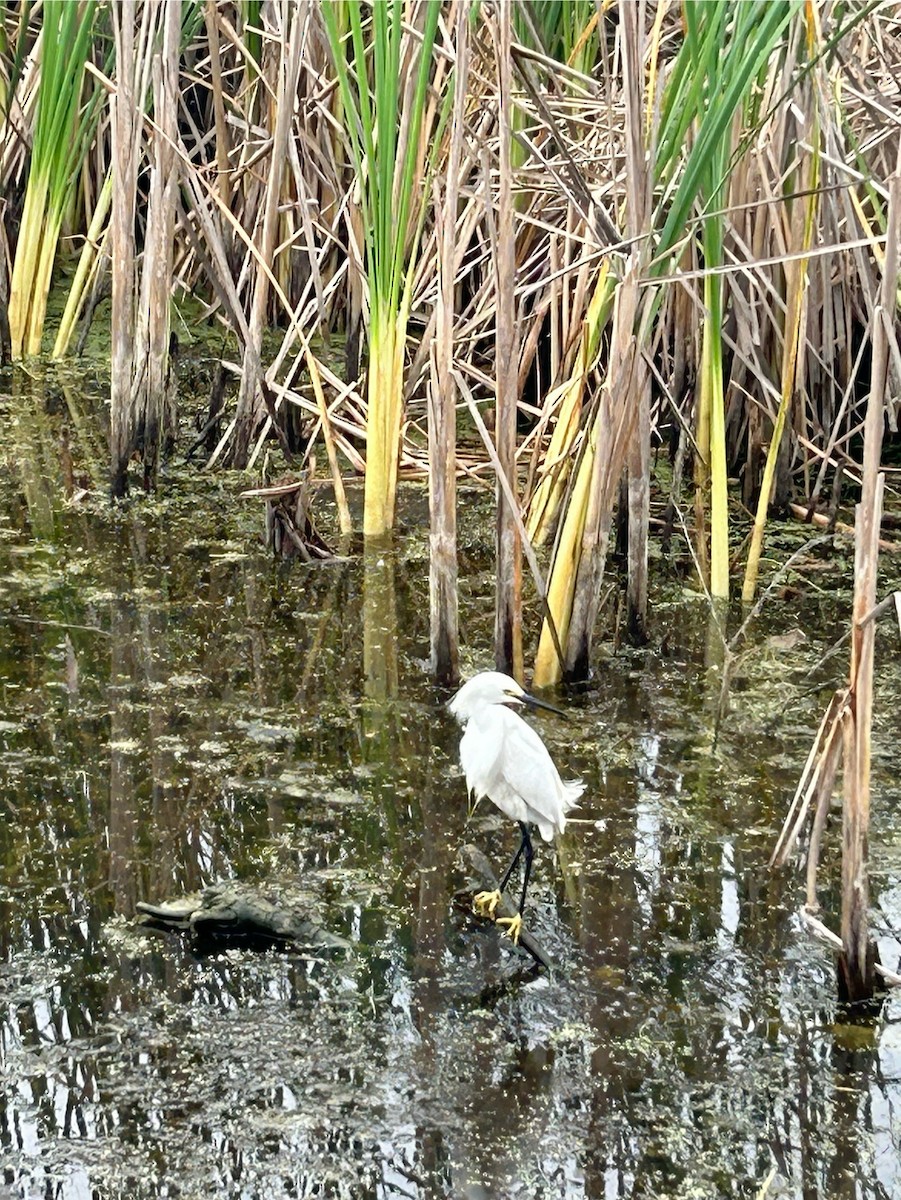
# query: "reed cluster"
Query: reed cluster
555,240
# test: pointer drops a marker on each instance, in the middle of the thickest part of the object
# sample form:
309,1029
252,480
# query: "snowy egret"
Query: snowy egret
504,759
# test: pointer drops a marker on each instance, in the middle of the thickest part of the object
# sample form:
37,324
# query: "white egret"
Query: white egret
504,759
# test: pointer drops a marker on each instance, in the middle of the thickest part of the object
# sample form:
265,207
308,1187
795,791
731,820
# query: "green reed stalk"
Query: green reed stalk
566,30
250,12
62,127
383,127
726,47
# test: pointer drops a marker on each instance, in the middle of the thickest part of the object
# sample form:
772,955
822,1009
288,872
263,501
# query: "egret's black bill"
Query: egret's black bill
534,702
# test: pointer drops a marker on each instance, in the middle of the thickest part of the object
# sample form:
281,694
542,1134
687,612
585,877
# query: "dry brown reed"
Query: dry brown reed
126,155
508,593
442,415
845,732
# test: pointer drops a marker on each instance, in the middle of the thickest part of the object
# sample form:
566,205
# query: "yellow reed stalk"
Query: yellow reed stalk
546,501
84,272
385,392
580,550
791,345
712,385
562,581
25,267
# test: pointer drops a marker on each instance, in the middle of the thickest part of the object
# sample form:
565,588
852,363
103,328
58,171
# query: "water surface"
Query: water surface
177,709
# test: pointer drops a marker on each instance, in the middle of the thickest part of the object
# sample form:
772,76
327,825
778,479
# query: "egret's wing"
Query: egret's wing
480,749
528,770
504,759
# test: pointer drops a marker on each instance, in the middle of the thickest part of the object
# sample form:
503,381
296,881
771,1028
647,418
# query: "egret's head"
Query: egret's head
491,687
488,687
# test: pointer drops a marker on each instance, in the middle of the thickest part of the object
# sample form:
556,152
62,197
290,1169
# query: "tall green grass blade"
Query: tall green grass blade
722,60
383,122
726,47
62,126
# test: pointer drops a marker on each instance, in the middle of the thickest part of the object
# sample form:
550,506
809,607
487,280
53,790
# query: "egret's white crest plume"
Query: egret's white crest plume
504,759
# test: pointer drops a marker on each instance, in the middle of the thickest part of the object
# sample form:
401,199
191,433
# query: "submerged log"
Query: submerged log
485,873
230,911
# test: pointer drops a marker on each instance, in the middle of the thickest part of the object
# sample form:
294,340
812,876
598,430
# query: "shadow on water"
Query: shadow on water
175,709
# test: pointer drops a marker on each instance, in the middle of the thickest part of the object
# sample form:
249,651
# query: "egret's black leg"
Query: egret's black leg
517,856
527,846
514,924
485,903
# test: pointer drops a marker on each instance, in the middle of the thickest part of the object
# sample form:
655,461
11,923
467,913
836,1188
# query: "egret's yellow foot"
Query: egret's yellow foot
485,903
514,927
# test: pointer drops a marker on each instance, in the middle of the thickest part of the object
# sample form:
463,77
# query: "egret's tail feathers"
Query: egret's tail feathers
572,790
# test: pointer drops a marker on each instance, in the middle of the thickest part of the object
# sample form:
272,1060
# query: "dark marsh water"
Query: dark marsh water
176,709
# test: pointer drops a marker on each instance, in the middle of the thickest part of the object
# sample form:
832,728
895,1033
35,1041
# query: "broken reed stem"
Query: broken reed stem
251,410
344,521
637,212
508,597
825,934
126,150
825,784
442,424
822,521
892,601
806,789
856,962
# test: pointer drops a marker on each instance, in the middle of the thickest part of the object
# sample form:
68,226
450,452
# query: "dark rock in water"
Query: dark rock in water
234,912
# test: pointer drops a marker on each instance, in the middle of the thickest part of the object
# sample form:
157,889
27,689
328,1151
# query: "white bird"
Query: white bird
504,759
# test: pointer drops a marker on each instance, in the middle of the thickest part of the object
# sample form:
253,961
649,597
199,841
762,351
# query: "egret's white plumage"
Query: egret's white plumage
504,759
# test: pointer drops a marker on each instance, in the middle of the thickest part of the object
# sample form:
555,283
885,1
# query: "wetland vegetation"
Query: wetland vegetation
572,318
